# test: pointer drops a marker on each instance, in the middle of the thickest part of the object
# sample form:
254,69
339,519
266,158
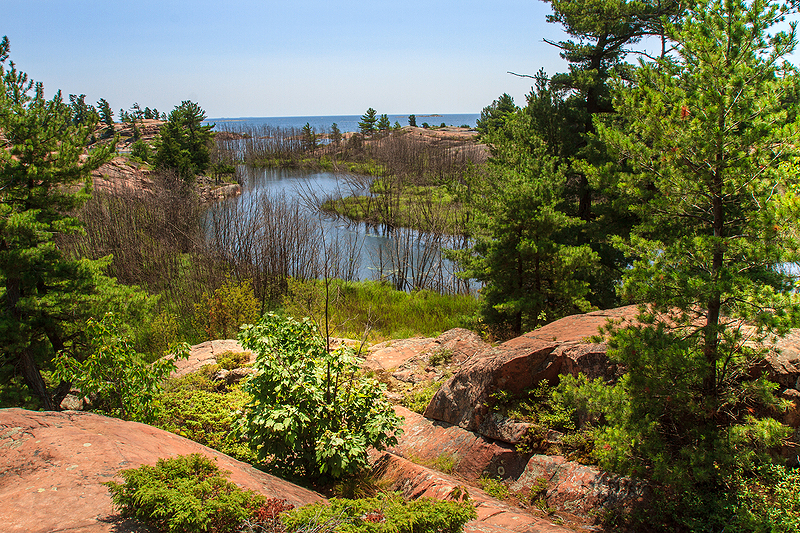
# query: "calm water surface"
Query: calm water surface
382,253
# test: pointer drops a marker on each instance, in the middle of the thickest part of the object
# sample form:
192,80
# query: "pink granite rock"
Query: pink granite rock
436,443
52,466
577,488
415,481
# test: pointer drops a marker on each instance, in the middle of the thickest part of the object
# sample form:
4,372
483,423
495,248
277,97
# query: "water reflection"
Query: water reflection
277,226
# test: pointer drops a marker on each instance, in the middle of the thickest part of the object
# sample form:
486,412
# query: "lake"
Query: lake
322,124
276,223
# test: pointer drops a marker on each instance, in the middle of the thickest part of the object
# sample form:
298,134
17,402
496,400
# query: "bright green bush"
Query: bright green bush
211,418
385,513
123,381
312,412
417,400
184,494
227,308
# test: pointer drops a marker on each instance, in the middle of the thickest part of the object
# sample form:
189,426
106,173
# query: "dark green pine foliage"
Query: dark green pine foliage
717,188
494,116
384,124
368,123
524,247
310,140
44,296
184,142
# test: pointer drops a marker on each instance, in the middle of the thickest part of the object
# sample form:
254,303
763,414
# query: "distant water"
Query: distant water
322,124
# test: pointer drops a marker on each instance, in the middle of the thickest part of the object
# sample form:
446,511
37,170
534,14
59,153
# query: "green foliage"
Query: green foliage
45,297
106,114
189,407
122,380
184,494
184,142
230,306
495,488
386,513
368,123
705,133
336,134
446,462
141,150
376,307
417,399
230,360
412,120
442,356
525,245
383,123
710,245
310,139
312,413
494,117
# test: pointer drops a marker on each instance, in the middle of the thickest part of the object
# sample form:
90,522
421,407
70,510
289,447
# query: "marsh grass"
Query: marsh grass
378,309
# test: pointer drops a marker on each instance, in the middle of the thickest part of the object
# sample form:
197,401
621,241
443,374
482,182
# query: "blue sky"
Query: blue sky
266,58
239,58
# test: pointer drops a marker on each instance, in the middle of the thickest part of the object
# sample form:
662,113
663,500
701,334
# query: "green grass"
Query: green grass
416,206
390,314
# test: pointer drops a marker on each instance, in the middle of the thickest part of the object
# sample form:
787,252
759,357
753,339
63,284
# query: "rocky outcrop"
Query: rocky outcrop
576,488
415,481
457,344
515,366
468,454
52,466
564,486
206,353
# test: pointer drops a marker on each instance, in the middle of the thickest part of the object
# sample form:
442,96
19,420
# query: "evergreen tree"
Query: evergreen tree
82,113
44,176
106,114
709,140
336,134
412,120
309,138
383,124
184,143
369,120
494,116
524,244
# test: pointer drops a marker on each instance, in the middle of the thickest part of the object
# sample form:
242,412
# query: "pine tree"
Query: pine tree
336,134
524,248
184,143
384,124
309,138
369,120
44,176
709,140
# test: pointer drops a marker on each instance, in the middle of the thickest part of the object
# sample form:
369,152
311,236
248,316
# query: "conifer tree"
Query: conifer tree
384,124
368,123
184,143
709,141
44,176
524,246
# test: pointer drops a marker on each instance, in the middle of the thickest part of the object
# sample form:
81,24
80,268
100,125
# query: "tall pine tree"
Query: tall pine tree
708,138
44,176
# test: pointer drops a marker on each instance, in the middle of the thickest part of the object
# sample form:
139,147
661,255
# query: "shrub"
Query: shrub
184,494
230,360
494,487
227,308
386,513
312,412
210,418
125,384
417,400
